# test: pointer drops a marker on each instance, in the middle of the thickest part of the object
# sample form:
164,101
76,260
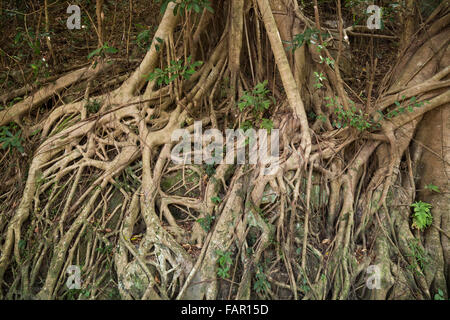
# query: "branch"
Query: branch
18,110
289,84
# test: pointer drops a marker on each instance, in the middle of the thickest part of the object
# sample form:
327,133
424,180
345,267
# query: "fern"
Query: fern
422,217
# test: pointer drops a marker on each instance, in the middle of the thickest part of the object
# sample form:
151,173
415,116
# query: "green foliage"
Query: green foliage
210,170
352,117
413,103
419,256
439,295
304,285
175,70
328,61
322,117
432,187
422,217
187,5
246,125
261,284
224,261
105,250
10,140
93,107
160,42
310,35
74,294
319,77
22,244
33,41
257,101
114,294
267,124
216,200
39,66
144,40
11,103
30,38
102,51
206,222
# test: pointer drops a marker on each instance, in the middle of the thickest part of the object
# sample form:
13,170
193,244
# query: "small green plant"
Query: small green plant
40,66
206,222
105,250
261,284
187,5
22,244
439,295
304,285
328,61
352,117
413,103
114,294
322,117
319,77
93,106
311,35
224,261
419,255
102,51
422,217
257,101
432,187
210,170
144,40
10,140
74,294
216,200
175,70
247,124
267,124
31,38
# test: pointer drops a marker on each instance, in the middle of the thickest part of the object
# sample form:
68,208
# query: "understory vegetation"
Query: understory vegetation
87,116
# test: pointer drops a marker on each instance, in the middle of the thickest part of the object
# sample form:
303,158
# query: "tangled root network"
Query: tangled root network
102,192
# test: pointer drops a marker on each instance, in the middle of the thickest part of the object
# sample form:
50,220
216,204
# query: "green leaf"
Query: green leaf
94,53
267,124
432,187
422,217
111,50
164,5
216,200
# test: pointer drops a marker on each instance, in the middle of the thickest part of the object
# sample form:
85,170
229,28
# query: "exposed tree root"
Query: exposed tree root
102,192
